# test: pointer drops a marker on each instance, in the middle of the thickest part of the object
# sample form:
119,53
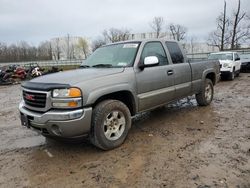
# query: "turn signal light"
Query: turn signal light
74,92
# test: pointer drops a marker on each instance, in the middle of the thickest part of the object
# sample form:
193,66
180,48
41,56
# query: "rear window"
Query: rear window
175,52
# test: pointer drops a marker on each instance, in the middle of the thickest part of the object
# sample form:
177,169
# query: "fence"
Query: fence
77,62
51,63
204,56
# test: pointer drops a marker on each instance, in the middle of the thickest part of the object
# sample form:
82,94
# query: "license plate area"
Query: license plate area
24,120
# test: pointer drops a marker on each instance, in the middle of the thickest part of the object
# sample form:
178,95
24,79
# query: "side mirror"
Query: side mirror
149,61
237,59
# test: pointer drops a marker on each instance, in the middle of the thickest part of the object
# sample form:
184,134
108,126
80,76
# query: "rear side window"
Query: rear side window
155,49
175,52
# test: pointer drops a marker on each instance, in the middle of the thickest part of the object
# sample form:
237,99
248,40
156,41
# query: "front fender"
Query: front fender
99,92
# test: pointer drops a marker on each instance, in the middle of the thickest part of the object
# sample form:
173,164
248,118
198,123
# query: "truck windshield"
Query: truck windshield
116,55
224,56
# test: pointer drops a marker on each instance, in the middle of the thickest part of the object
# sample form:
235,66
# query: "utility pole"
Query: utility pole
68,46
223,27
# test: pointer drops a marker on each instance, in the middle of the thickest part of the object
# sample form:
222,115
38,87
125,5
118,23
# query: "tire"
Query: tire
205,97
111,121
232,75
238,73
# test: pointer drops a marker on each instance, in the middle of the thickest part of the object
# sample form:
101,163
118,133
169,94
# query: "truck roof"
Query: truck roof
141,40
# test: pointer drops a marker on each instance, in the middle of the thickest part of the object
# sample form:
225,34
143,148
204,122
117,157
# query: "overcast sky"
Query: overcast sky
38,20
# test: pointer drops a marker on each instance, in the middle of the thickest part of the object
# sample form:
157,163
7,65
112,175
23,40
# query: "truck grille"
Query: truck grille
34,99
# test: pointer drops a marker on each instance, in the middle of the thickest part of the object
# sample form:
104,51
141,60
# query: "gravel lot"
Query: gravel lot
180,145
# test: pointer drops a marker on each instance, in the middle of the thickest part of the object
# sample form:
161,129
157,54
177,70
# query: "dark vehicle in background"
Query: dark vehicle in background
245,62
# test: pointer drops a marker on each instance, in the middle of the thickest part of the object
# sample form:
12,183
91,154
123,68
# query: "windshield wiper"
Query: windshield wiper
84,66
103,65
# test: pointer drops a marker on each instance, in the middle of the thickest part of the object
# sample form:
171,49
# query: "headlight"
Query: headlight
67,98
225,65
62,93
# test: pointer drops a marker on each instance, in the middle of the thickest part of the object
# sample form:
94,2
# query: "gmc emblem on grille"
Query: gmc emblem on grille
29,97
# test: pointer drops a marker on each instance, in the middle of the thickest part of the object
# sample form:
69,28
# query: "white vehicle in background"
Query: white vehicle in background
230,63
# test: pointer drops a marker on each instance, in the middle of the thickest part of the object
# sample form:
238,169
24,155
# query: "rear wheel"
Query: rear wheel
205,97
111,122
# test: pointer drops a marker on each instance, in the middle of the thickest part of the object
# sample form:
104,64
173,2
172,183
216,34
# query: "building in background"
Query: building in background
149,35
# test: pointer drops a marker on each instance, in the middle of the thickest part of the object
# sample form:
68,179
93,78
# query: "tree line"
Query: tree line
46,50
231,31
23,51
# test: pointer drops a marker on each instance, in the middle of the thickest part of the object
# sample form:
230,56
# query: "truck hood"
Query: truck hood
75,76
225,61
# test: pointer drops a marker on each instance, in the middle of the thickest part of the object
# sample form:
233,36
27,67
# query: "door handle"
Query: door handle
170,72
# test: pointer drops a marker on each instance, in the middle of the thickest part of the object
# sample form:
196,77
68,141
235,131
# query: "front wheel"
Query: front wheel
111,121
205,97
232,75
238,73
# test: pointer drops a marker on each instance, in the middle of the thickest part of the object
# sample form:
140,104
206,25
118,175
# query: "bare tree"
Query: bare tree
83,46
72,51
178,32
116,35
221,36
23,51
192,44
97,43
3,52
22,48
56,49
157,25
222,23
67,47
240,31
44,51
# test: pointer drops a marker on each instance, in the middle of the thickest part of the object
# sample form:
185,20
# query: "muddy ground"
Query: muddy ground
180,145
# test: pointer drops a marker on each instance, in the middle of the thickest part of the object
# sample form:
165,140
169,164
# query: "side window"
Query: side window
236,56
155,49
175,52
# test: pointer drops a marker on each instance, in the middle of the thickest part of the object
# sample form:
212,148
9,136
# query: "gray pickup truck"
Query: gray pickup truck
114,84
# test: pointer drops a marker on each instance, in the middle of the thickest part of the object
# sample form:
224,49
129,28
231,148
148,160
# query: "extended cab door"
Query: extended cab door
181,70
154,85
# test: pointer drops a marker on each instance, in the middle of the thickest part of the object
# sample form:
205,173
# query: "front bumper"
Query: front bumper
226,69
225,73
59,123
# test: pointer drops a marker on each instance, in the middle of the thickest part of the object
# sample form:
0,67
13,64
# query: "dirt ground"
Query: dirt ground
180,145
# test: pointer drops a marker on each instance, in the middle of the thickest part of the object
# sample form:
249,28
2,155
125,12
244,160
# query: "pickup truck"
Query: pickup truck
229,62
115,83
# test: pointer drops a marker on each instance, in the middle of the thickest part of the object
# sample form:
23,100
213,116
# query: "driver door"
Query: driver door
155,86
